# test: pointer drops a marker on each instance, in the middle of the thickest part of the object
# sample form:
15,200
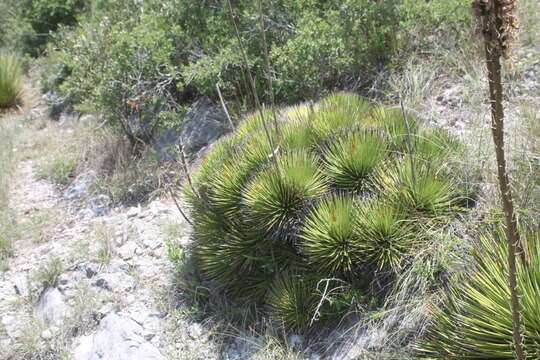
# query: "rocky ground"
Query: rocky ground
93,282
90,281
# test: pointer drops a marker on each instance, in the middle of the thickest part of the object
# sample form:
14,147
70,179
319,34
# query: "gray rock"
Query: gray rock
152,243
117,338
79,186
89,269
68,116
128,250
204,124
51,308
55,104
9,322
21,284
100,204
88,119
105,310
117,281
150,320
47,334
195,331
69,280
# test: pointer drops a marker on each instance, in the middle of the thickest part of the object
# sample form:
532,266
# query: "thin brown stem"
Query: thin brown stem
224,106
186,169
253,86
173,197
492,26
269,73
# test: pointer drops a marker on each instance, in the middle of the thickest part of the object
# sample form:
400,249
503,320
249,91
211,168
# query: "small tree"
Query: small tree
498,25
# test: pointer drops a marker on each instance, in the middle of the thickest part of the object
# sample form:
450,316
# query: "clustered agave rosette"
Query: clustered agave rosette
309,229
474,320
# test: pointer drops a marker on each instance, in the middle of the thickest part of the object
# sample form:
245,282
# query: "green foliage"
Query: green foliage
330,239
276,196
10,80
29,23
385,234
133,60
123,70
263,219
450,19
60,169
351,159
48,273
297,301
418,188
475,321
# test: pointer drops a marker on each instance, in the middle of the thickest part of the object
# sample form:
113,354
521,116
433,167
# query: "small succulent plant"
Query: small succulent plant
475,321
298,229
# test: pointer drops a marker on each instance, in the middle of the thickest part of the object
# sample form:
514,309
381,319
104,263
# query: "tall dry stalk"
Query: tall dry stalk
498,25
252,83
269,72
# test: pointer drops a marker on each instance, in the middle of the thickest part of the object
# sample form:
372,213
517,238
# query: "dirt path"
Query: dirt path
88,282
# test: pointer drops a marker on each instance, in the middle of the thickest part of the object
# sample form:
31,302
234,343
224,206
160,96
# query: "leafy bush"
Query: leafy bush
29,23
124,71
135,60
435,23
316,227
10,80
475,321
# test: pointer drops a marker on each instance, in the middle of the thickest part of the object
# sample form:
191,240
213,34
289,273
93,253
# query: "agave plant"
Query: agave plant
329,238
475,321
350,160
10,80
276,196
385,234
418,187
297,301
331,194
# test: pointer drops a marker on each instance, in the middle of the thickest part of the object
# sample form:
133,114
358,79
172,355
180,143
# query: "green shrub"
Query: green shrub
133,60
332,203
124,71
10,80
26,25
435,23
474,321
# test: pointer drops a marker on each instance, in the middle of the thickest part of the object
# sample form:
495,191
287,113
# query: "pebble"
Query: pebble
47,334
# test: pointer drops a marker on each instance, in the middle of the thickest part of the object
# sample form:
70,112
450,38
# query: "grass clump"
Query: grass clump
306,233
474,321
48,274
8,228
10,80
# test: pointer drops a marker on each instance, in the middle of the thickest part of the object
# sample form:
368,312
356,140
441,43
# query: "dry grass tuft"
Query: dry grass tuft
8,229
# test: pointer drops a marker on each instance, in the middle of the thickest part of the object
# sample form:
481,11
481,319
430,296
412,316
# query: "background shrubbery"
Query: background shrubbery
26,25
134,60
